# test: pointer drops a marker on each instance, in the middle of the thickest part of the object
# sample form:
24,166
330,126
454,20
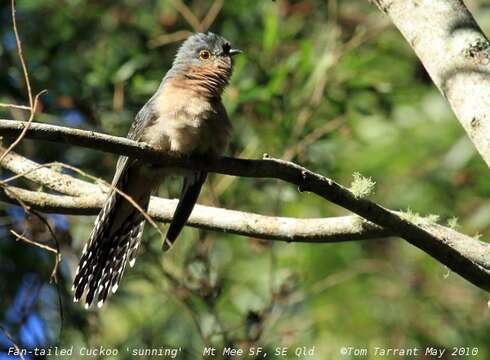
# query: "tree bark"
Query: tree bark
455,53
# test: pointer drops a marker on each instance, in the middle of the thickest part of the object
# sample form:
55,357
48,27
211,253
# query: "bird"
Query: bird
184,117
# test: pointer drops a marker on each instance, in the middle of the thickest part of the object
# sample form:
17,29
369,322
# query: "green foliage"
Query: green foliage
326,85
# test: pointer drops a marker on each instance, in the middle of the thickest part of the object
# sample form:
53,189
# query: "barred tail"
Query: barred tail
115,238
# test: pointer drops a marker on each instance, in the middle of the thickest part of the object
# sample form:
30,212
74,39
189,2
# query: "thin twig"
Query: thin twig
192,20
14,106
58,258
32,104
21,57
56,267
311,138
14,343
50,178
213,12
27,172
123,194
21,135
187,14
165,39
42,246
177,285
54,273
333,53
359,268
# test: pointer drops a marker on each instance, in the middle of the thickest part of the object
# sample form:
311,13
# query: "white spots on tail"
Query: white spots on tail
110,248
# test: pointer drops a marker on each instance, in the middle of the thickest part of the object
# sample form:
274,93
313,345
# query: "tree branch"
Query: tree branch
44,175
87,199
335,229
466,256
455,53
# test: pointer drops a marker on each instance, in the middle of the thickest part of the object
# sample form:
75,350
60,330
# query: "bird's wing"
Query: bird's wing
143,118
147,113
117,233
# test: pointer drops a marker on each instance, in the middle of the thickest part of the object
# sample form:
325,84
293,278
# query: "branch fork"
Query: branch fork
464,255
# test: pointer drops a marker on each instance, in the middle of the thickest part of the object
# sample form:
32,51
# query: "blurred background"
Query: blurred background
328,84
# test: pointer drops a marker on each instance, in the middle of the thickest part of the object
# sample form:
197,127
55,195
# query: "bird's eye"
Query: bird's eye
204,54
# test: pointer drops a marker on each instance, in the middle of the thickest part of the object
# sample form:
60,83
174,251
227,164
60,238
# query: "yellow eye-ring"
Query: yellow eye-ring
204,54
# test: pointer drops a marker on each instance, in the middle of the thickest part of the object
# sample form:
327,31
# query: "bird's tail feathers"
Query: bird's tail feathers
190,191
115,239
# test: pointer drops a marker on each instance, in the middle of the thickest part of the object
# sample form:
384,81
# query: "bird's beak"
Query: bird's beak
234,52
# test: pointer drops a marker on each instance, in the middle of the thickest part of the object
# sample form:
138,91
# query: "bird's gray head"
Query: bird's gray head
207,59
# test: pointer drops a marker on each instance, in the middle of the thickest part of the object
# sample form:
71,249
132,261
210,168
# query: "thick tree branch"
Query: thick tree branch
336,229
462,254
455,53
44,175
86,199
